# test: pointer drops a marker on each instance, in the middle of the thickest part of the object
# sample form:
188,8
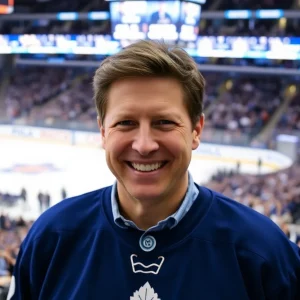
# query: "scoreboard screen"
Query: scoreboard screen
134,20
189,21
155,20
6,6
128,20
171,21
163,18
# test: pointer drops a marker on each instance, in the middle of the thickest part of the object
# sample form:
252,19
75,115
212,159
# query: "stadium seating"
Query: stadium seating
34,86
12,233
275,195
290,120
246,107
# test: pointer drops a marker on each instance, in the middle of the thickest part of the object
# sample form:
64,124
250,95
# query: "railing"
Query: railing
57,124
219,136
291,132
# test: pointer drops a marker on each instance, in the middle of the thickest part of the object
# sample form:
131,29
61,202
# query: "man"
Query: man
154,234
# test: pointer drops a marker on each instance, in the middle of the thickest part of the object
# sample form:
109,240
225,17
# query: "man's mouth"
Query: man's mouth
149,167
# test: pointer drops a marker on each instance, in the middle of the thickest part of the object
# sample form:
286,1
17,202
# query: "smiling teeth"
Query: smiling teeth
146,168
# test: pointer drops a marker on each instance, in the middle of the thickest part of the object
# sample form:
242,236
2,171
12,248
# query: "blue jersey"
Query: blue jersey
220,250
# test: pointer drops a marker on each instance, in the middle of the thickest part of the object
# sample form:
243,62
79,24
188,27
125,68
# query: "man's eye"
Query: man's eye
165,122
125,123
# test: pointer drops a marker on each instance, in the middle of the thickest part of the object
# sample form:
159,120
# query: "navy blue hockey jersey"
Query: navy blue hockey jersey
220,250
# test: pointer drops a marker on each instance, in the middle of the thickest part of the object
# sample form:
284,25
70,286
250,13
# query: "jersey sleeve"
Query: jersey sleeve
288,270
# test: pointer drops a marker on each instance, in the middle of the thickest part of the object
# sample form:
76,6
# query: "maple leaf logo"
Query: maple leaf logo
145,292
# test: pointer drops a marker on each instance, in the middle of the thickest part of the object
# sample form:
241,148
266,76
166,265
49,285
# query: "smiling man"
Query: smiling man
148,146
154,234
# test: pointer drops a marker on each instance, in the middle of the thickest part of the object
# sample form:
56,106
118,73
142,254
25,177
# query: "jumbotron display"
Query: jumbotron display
155,20
6,6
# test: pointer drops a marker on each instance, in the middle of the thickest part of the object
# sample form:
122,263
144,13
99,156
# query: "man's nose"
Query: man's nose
144,142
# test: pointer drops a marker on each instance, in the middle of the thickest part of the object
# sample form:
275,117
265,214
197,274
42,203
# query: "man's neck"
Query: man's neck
146,214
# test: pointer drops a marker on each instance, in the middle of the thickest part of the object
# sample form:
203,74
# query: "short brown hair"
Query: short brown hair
151,59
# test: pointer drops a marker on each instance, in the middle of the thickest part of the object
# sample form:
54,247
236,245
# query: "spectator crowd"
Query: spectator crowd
12,233
276,195
33,86
290,119
246,106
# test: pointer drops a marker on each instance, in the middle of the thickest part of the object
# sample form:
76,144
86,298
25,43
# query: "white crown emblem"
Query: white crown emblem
145,292
138,267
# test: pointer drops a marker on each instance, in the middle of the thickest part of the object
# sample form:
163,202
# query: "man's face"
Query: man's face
148,138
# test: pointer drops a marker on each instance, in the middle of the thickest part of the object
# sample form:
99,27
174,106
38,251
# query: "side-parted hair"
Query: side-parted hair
151,59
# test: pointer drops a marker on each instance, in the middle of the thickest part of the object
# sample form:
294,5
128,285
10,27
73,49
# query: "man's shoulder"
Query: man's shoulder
241,214
83,212
229,221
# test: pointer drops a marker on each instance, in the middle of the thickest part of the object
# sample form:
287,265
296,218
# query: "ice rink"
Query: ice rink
41,167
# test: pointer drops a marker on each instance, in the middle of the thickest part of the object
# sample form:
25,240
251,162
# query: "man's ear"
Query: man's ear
102,131
197,132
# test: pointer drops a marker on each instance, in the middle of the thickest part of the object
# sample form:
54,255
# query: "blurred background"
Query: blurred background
247,50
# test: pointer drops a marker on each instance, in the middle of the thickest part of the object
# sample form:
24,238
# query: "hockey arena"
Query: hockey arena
248,52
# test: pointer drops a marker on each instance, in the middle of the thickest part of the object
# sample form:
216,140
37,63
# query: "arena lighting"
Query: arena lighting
67,16
237,14
292,90
72,16
228,85
98,15
269,13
